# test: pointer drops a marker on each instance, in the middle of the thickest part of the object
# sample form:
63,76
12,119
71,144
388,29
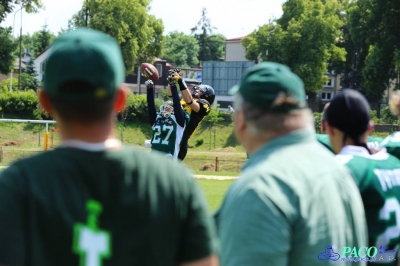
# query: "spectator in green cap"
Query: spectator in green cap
293,203
93,201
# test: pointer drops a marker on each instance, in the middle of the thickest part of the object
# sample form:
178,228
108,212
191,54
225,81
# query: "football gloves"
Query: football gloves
149,84
175,76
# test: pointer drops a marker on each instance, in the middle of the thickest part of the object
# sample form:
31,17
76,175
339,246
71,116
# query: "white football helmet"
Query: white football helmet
167,109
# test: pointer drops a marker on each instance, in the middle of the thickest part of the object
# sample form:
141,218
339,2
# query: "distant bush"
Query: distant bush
199,142
317,122
388,117
136,109
21,105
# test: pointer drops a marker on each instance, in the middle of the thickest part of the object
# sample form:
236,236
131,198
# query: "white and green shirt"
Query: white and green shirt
378,179
167,135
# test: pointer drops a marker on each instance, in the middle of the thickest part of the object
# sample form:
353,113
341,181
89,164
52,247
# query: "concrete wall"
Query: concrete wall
234,51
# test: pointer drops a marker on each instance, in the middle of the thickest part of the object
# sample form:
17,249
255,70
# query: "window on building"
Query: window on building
330,83
326,96
159,69
43,66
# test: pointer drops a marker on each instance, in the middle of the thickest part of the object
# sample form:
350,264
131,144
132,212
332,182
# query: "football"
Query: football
149,71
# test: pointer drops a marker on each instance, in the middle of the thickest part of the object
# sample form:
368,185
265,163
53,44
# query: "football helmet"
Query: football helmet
167,109
204,92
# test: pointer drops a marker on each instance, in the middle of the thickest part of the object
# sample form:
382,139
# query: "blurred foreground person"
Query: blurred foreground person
348,124
92,201
293,201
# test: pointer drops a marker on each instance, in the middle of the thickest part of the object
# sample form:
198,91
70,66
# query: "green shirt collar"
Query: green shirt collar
298,136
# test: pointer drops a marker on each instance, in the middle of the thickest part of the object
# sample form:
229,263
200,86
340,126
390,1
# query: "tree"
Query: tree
27,82
376,36
41,40
6,49
138,33
31,71
8,6
181,50
211,45
304,38
258,42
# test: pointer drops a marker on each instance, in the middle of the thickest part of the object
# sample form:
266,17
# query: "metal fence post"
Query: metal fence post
216,164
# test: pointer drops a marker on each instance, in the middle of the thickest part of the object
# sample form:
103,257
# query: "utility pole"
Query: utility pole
20,54
355,69
12,53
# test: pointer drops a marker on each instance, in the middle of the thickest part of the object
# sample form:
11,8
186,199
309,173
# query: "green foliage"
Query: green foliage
199,141
41,40
317,122
20,104
10,6
5,84
163,94
31,71
136,109
211,45
27,82
374,117
181,50
375,33
6,49
304,38
388,117
214,116
375,72
138,33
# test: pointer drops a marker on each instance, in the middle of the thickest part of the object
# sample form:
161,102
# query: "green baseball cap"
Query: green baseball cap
88,56
272,86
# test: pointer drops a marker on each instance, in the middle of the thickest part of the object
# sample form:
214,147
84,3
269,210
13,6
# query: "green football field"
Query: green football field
214,191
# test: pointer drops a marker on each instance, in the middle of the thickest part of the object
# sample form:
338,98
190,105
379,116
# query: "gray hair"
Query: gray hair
260,121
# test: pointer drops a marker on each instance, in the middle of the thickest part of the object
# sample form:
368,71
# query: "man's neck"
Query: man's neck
93,133
254,143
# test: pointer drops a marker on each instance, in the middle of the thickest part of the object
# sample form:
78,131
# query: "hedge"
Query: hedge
24,105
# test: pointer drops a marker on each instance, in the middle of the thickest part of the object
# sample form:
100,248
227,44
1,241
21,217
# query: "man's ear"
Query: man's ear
240,120
121,98
45,102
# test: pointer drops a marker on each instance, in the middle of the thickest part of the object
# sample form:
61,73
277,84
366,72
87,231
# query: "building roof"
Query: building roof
235,39
42,52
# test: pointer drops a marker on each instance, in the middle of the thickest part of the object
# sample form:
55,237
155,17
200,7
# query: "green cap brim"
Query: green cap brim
233,90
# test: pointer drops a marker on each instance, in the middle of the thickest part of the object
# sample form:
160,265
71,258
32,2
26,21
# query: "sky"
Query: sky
234,18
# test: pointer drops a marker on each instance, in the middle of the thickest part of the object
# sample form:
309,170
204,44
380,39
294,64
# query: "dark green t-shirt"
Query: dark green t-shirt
75,207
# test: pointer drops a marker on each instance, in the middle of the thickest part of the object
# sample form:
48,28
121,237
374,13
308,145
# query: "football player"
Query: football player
168,125
197,103
348,123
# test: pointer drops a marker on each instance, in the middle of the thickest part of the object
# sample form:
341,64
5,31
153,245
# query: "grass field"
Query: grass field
214,191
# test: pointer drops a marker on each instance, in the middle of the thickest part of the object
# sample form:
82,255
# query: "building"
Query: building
234,50
40,64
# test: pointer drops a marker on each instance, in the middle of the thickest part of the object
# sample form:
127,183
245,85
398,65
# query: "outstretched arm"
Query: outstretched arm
186,95
178,111
151,105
